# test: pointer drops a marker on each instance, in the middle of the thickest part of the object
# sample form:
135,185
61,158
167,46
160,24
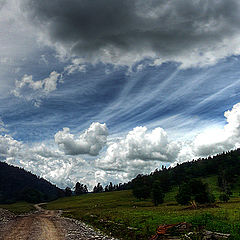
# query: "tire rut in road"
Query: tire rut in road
48,230
20,229
48,225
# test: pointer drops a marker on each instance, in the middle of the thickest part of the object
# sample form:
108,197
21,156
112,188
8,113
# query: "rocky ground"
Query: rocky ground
45,225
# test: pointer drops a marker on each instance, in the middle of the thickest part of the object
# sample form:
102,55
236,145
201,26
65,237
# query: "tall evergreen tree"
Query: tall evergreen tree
68,192
157,193
98,188
194,191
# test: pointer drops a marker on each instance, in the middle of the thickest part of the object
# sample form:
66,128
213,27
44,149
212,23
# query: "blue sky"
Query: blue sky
91,96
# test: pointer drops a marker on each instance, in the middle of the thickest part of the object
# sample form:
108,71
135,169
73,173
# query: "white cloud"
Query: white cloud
46,161
50,83
36,90
76,66
215,141
46,85
90,142
233,120
9,147
142,151
138,152
18,43
50,163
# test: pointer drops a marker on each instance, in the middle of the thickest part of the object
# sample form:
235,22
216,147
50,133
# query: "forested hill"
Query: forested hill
16,184
226,166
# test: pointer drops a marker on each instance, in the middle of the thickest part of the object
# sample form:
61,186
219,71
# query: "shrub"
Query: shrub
224,197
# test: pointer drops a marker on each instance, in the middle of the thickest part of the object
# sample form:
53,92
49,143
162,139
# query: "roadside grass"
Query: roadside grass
123,216
19,207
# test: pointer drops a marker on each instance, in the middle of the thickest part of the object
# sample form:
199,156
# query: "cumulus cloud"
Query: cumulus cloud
218,140
214,140
90,142
51,164
46,161
140,151
34,90
9,147
194,33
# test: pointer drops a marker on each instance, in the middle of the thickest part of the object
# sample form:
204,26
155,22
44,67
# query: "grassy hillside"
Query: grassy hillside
124,216
19,207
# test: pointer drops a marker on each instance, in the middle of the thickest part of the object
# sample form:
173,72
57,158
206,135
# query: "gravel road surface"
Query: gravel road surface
45,225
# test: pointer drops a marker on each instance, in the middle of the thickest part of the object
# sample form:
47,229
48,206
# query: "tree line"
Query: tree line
185,176
80,188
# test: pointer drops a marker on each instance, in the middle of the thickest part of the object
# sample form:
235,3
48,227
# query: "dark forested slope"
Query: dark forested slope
225,166
16,184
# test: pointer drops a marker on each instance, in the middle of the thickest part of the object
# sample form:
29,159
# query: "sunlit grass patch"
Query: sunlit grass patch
125,216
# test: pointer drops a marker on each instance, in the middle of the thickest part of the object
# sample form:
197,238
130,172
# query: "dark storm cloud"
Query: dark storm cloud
128,30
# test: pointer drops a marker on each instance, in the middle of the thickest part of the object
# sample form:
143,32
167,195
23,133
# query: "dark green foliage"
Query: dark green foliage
157,193
85,189
211,198
80,189
184,195
98,188
194,190
68,192
225,165
117,187
16,184
224,197
141,192
110,188
141,187
32,196
226,180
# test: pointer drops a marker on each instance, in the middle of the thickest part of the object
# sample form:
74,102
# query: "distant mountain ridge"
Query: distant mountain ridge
16,184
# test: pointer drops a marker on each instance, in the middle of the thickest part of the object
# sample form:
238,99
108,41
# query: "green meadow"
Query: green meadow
122,215
19,207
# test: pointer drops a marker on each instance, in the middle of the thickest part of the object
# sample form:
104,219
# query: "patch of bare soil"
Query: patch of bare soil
45,225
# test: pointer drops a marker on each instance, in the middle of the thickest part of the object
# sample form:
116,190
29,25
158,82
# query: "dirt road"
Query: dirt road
46,225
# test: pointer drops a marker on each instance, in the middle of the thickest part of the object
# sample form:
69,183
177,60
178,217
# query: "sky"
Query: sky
99,91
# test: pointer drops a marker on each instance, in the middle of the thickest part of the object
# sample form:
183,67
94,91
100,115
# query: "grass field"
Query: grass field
120,214
19,207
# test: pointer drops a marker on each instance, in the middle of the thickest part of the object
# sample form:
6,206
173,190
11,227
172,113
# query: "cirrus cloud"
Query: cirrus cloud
140,151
